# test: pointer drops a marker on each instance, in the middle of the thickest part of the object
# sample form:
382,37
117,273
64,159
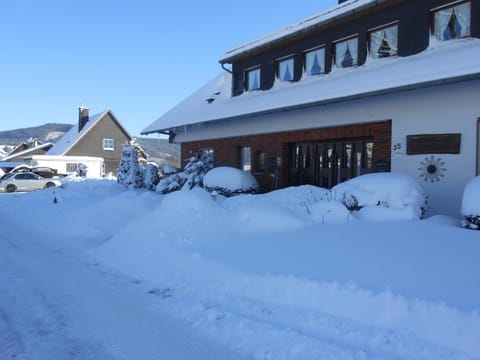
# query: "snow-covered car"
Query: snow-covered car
25,181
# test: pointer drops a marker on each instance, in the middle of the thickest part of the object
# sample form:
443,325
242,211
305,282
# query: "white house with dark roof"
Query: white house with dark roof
368,86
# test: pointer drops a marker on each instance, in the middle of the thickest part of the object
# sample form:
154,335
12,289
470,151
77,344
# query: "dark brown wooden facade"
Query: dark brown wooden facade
414,19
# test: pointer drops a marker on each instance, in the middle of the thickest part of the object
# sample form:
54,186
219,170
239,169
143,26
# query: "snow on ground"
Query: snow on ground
105,272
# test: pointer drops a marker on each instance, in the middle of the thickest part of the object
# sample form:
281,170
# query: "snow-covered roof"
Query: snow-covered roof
342,10
71,137
441,62
28,151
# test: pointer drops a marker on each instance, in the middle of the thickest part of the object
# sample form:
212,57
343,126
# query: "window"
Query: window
259,161
206,155
27,176
384,42
245,158
285,69
346,53
452,22
71,167
108,144
314,61
252,79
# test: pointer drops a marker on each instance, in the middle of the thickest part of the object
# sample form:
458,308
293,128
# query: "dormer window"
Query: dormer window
285,69
452,22
252,79
384,42
346,53
314,61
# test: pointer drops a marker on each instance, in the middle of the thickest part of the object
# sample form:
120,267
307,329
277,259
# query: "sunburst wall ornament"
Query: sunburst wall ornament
432,169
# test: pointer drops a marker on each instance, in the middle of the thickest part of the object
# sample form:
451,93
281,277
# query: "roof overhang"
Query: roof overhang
359,96
292,32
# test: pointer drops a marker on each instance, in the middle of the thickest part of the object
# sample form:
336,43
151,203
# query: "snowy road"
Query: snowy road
54,305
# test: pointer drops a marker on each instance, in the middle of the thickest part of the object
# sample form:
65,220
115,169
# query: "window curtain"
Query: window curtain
245,158
254,79
453,22
315,61
285,70
346,53
384,42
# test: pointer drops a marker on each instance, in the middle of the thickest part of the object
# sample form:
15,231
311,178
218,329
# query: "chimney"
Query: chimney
82,117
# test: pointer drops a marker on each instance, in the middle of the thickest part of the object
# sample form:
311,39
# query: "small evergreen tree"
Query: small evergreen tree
191,176
151,178
130,172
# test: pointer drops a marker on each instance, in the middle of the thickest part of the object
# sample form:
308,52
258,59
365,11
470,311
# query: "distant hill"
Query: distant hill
159,150
45,133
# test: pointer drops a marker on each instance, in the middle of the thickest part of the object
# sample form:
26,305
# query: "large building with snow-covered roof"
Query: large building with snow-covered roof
367,86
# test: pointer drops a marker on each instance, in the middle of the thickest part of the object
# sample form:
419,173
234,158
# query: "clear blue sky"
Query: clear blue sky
138,58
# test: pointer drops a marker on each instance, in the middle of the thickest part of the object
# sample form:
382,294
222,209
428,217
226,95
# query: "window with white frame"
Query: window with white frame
108,144
314,61
206,155
252,79
452,22
245,158
285,69
346,53
384,42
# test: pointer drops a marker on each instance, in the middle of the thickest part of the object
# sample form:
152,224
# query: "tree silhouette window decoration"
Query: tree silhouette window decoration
347,58
346,53
314,61
384,49
384,42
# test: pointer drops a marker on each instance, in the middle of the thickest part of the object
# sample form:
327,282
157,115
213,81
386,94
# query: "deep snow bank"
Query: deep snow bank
222,258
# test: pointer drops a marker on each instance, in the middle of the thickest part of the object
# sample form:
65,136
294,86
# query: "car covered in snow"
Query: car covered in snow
25,181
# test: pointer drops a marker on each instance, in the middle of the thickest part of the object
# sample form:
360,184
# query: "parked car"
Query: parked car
43,171
25,181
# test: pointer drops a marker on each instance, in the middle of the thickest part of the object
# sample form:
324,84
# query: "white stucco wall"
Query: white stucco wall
453,108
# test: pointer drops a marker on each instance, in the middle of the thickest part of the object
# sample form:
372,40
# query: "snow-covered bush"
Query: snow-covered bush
230,181
130,172
151,176
329,212
387,190
191,176
471,204
168,169
82,170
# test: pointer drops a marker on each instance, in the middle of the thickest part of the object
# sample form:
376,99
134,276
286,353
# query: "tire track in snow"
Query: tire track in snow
60,305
